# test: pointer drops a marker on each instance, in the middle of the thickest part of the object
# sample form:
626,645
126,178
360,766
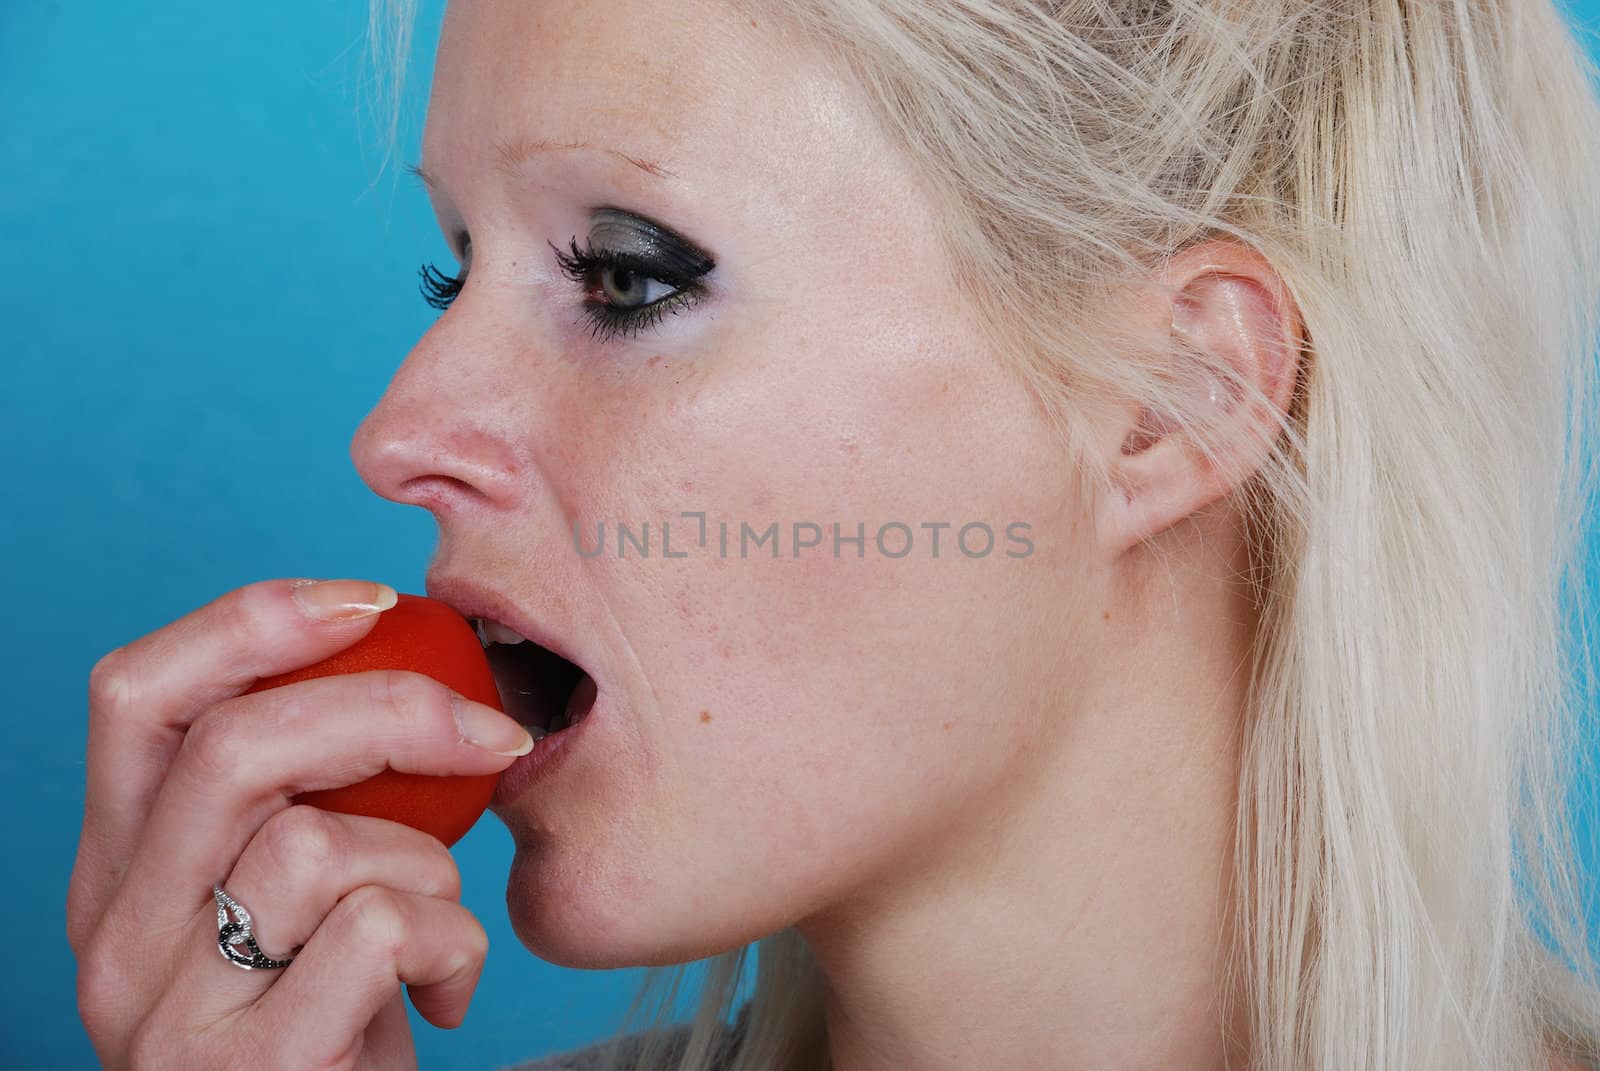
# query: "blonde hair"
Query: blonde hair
1424,175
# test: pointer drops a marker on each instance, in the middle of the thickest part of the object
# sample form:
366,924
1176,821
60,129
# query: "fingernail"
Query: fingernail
489,729
342,600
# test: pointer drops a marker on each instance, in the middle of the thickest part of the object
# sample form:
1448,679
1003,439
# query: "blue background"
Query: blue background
208,284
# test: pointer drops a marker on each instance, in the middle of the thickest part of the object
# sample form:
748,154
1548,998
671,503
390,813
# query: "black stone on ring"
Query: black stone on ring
231,933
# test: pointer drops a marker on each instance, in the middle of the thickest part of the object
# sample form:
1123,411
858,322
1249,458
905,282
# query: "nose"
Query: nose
444,436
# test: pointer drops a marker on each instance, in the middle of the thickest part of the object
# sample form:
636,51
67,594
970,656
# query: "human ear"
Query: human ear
1234,332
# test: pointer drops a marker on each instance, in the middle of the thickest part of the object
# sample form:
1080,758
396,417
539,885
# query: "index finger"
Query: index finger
144,695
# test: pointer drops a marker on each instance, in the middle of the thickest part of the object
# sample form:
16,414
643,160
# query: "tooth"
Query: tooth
538,732
494,632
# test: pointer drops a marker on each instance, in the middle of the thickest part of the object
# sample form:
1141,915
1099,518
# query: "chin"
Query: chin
607,925
572,920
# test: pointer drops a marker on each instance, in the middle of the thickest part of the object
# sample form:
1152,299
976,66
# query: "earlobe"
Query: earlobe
1231,313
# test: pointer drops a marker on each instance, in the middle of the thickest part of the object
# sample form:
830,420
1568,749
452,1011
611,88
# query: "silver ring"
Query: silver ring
231,933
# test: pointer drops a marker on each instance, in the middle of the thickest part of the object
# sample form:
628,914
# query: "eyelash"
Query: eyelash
582,266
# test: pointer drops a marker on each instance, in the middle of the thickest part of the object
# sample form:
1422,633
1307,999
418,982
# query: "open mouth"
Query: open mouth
540,689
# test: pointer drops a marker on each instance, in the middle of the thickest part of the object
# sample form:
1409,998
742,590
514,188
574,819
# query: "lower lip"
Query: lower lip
542,762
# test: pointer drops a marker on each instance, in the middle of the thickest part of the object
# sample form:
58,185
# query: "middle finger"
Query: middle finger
292,873
244,759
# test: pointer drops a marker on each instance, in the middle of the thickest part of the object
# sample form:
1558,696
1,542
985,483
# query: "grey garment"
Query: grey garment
592,1057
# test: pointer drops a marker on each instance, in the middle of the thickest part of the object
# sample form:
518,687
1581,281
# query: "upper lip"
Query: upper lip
473,600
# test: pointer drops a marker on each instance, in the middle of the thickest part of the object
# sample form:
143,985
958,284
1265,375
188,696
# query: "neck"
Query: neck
1082,918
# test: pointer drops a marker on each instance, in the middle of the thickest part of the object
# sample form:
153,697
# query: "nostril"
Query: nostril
424,462
435,492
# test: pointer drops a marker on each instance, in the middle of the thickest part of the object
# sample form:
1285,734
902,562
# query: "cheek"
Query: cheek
836,664
804,723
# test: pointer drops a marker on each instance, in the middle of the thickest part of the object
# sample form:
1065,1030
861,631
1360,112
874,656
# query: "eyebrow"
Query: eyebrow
510,155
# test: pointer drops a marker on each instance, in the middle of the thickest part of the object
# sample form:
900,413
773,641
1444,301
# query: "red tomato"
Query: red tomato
424,636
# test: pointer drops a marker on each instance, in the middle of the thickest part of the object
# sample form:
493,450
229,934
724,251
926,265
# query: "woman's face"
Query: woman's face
776,738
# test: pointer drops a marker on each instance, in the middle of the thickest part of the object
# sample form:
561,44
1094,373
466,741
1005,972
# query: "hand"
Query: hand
188,785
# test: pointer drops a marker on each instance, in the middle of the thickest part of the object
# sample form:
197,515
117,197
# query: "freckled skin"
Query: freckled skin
868,711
